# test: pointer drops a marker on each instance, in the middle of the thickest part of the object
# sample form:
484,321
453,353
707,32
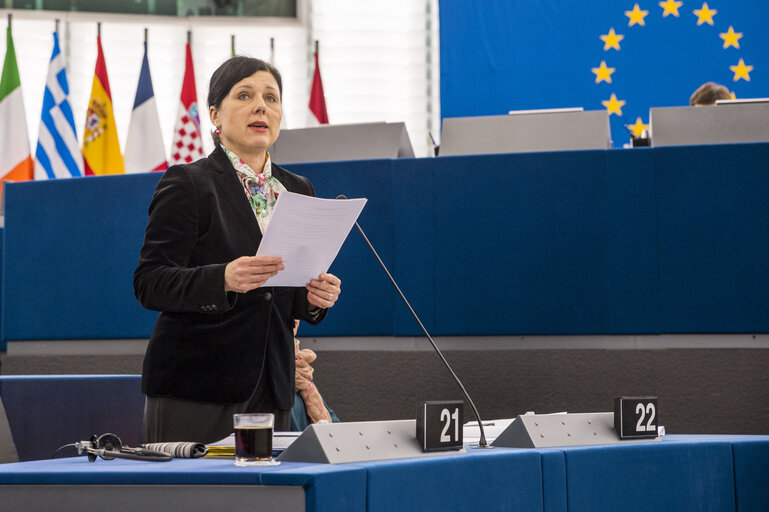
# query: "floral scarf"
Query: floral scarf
262,190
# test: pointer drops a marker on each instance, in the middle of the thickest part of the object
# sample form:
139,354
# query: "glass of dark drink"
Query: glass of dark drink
253,439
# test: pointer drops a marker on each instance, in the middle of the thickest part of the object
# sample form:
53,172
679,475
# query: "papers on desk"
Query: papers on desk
492,428
307,232
225,448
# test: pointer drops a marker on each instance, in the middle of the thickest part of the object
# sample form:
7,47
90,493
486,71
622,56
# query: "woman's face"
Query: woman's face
249,116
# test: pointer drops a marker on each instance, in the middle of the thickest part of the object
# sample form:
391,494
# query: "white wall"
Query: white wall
373,58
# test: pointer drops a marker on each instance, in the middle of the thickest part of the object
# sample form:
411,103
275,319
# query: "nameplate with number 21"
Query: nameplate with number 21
439,425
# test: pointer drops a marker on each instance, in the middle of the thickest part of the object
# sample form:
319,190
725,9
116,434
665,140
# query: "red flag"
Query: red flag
187,145
317,99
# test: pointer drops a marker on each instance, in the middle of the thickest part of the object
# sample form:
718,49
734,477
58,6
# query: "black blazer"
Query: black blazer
209,345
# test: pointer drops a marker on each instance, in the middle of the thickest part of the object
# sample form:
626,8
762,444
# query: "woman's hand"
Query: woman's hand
249,272
324,291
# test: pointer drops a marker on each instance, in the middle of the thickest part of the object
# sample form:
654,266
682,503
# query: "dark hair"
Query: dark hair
708,93
232,71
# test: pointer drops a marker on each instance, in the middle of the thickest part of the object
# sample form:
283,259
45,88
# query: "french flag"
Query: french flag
145,151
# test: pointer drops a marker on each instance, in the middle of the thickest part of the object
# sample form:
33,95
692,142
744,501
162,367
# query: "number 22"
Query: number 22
649,427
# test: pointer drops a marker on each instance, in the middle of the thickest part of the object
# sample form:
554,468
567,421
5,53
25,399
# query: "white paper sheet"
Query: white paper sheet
307,232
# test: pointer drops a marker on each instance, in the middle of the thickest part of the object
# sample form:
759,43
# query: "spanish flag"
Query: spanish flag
101,149
15,158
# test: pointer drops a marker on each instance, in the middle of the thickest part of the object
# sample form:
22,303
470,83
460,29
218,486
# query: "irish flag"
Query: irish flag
101,149
15,159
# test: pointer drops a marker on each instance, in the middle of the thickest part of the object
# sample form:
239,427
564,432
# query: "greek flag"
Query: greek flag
58,152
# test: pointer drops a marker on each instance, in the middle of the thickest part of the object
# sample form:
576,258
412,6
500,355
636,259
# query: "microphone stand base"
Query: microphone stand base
476,446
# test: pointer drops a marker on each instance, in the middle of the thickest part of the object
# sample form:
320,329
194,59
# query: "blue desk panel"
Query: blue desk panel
554,480
489,479
751,473
680,473
677,474
327,488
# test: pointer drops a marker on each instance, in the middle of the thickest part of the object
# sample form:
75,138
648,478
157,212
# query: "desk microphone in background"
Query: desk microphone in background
482,441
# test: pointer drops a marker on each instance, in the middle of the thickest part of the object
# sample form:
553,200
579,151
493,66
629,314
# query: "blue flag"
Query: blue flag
58,152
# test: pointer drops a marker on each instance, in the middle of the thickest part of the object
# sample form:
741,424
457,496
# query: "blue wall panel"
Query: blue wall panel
713,221
523,244
73,245
632,274
365,306
582,242
416,244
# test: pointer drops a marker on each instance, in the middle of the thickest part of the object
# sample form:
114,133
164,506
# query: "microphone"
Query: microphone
482,442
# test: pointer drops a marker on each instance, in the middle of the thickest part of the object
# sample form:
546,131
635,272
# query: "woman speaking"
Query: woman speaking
223,342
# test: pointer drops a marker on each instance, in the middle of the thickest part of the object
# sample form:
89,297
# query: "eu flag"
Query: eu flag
622,56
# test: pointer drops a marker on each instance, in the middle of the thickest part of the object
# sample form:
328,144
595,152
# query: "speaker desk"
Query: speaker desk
680,472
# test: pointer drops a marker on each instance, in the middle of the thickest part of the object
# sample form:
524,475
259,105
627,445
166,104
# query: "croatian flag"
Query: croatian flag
187,145
144,147
58,152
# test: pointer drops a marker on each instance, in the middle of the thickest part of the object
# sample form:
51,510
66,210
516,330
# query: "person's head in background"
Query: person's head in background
708,93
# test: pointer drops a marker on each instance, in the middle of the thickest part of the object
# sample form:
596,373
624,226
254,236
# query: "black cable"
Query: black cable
56,453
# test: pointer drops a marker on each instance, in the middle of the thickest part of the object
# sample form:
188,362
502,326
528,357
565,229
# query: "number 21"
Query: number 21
447,417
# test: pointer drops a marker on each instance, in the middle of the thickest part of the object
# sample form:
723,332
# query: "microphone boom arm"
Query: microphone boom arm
482,441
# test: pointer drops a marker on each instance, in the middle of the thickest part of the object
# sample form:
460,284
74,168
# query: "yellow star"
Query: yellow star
638,128
741,71
611,40
636,16
731,38
613,105
732,95
603,73
671,7
705,15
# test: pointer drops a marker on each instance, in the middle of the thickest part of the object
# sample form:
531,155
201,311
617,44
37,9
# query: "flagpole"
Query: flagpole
98,29
57,25
272,51
10,17
146,30
232,44
189,37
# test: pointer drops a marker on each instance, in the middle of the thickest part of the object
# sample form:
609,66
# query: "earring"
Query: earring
218,131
